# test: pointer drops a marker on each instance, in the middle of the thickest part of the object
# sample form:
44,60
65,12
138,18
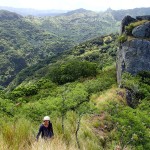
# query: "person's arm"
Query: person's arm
52,129
40,130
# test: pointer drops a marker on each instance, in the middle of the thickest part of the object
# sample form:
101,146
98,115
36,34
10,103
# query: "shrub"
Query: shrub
105,80
7,108
122,38
24,91
72,70
130,127
138,85
107,39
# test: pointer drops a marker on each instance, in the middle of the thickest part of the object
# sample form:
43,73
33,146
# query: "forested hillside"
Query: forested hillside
24,44
26,41
65,67
78,90
100,51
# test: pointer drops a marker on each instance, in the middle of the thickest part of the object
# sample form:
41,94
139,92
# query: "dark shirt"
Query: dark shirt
45,132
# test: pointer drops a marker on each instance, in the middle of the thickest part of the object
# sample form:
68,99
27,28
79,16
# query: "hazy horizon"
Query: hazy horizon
95,5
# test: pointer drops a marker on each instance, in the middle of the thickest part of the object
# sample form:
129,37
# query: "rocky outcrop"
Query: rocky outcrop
133,55
126,21
146,17
142,31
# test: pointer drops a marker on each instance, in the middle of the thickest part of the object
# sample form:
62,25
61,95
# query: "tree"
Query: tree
72,70
71,98
84,108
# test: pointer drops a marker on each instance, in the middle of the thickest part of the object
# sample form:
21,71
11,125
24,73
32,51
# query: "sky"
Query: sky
96,5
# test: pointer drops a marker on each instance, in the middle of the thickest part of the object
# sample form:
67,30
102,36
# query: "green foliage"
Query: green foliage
93,50
130,82
145,77
44,83
59,83
25,91
50,36
138,85
20,49
32,91
131,126
81,26
122,38
7,108
71,71
104,81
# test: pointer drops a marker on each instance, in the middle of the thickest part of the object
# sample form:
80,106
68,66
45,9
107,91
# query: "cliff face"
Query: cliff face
134,55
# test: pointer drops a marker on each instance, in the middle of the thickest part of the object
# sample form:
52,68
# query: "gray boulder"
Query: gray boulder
126,21
133,56
142,31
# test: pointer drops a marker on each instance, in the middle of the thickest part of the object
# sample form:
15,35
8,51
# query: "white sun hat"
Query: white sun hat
46,118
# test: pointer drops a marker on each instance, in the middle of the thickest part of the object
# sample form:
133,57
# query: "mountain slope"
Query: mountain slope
79,26
33,12
78,90
101,51
30,40
90,109
26,41
23,44
82,24
7,15
120,14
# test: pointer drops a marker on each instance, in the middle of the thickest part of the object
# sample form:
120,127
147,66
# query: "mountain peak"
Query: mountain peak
78,11
109,10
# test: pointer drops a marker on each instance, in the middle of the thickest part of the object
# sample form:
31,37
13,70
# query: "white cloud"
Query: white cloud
74,4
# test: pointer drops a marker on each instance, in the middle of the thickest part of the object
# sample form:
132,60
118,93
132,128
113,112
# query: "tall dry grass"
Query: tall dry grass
54,144
16,135
20,135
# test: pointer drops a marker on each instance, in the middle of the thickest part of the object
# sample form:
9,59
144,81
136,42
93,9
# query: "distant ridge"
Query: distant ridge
4,14
117,14
33,12
77,11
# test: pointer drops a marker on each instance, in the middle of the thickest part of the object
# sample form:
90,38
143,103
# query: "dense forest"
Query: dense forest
65,67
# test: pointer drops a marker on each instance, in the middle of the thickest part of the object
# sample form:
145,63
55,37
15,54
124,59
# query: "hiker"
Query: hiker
46,129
